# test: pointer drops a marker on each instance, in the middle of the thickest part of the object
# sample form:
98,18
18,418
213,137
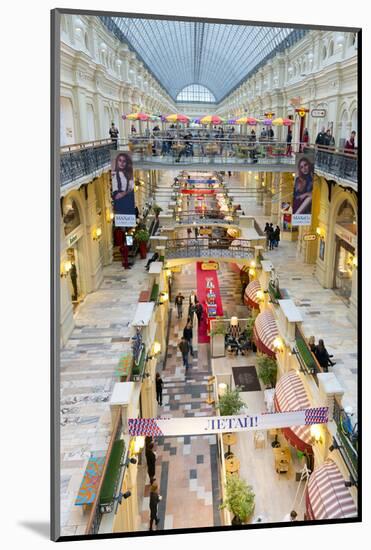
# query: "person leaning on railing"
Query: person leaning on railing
350,144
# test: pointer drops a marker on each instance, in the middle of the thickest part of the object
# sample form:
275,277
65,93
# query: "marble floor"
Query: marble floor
87,375
186,467
324,312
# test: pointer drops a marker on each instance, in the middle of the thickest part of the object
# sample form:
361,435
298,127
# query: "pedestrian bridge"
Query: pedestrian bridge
178,251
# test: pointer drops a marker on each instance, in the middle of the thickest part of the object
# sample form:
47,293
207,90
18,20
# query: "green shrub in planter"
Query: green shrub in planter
267,370
230,403
240,499
142,236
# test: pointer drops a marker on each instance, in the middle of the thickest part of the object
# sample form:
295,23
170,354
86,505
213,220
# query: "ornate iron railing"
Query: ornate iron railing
95,515
346,442
208,217
209,248
341,163
85,160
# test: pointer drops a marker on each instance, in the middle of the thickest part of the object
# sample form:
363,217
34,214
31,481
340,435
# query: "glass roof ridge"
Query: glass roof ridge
217,56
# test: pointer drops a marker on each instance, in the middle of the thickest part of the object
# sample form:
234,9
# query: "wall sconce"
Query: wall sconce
278,344
138,444
66,268
252,263
234,321
260,296
109,215
319,231
252,271
222,388
316,433
97,233
355,261
164,297
156,349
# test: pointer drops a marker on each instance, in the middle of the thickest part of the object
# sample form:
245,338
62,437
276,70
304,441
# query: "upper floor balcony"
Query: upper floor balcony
238,153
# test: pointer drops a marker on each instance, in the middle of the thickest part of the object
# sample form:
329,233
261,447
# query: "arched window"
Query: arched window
331,49
324,53
352,38
196,92
346,214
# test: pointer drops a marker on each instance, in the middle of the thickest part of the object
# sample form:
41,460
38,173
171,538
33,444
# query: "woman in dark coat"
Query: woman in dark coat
154,499
159,385
151,462
323,357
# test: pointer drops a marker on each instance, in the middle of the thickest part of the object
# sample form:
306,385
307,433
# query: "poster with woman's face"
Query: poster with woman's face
303,188
122,180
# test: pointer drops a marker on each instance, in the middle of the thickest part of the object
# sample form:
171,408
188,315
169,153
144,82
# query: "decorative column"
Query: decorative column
352,315
94,224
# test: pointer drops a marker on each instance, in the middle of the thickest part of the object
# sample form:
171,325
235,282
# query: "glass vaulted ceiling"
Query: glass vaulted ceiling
216,55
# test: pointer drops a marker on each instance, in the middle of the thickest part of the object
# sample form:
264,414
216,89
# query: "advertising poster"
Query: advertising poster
123,189
303,188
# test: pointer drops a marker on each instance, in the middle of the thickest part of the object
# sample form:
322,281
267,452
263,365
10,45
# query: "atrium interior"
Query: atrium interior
229,290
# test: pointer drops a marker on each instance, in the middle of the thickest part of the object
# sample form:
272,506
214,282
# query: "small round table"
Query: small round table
229,439
232,465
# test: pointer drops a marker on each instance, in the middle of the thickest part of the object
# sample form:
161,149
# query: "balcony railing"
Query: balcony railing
95,514
341,163
209,248
84,159
208,217
347,440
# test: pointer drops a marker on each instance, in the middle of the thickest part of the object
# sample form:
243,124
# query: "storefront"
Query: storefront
74,237
345,254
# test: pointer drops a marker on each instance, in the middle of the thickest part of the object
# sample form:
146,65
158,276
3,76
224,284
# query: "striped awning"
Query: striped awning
265,332
290,395
327,497
250,294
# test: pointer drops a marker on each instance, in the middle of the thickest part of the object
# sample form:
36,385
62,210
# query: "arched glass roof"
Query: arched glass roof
218,56
195,92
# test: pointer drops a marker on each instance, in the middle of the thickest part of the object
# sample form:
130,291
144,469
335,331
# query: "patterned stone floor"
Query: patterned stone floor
324,313
88,363
186,467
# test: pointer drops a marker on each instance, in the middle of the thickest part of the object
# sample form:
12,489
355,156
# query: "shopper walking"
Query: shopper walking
323,357
199,311
276,235
154,499
179,304
188,335
151,462
159,386
184,348
271,236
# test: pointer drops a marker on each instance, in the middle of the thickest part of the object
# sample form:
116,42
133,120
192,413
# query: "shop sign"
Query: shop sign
310,237
219,424
346,235
318,113
205,231
209,266
72,239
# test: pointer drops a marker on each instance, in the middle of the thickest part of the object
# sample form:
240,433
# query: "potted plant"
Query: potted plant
156,210
142,238
267,370
230,403
240,499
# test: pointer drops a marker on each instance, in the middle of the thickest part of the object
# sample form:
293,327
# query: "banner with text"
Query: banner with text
303,188
218,424
123,189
